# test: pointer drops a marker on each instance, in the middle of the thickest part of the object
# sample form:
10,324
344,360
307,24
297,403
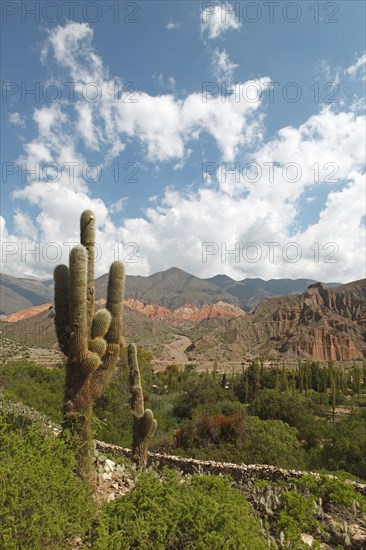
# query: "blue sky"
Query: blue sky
273,170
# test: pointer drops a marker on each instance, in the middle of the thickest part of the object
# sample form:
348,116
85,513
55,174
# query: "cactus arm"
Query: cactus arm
144,423
116,283
78,309
87,239
137,398
61,277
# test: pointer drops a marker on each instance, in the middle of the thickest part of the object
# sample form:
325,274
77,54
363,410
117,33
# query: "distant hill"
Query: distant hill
17,294
250,292
172,289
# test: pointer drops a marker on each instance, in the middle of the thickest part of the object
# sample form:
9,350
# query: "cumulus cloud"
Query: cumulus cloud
253,202
162,124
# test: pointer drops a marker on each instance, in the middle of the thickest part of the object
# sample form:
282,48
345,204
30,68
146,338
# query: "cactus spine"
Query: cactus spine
91,342
144,424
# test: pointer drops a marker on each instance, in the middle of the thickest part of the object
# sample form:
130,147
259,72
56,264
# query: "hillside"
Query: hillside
39,330
320,324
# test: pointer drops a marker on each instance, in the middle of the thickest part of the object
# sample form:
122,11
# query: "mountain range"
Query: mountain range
182,318
171,289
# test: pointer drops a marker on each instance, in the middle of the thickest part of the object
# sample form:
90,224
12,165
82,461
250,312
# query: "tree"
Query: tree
92,343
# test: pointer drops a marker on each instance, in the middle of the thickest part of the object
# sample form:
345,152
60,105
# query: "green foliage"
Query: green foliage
42,504
195,513
199,390
198,400
296,517
272,442
232,436
295,410
38,387
332,491
345,446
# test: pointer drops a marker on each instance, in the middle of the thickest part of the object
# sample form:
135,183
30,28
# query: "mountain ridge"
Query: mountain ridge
171,288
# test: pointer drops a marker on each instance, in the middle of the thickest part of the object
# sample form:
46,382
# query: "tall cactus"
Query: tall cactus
144,424
91,341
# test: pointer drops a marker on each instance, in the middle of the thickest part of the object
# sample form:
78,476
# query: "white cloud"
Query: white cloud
24,224
17,119
218,18
172,25
358,69
223,68
165,82
119,205
162,123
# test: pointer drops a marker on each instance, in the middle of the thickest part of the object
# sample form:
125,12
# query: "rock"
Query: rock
307,539
109,465
100,479
358,534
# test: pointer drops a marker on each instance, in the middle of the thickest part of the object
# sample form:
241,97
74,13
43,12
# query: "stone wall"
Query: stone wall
238,472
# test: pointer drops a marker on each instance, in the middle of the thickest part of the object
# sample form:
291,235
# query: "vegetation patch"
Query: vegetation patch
197,512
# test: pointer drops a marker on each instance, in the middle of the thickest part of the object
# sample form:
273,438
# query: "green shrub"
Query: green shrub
296,517
272,442
332,491
197,513
38,387
42,503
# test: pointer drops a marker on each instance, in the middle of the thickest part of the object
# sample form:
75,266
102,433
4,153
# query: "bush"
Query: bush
297,516
42,503
272,442
345,448
38,387
332,491
295,410
197,513
199,390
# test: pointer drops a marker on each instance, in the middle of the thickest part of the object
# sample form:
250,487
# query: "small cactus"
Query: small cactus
144,423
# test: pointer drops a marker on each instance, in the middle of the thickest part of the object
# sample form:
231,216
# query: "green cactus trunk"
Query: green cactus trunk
144,424
91,342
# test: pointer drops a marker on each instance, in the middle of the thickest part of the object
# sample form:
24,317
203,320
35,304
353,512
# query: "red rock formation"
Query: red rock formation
191,312
25,313
150,310
320,324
